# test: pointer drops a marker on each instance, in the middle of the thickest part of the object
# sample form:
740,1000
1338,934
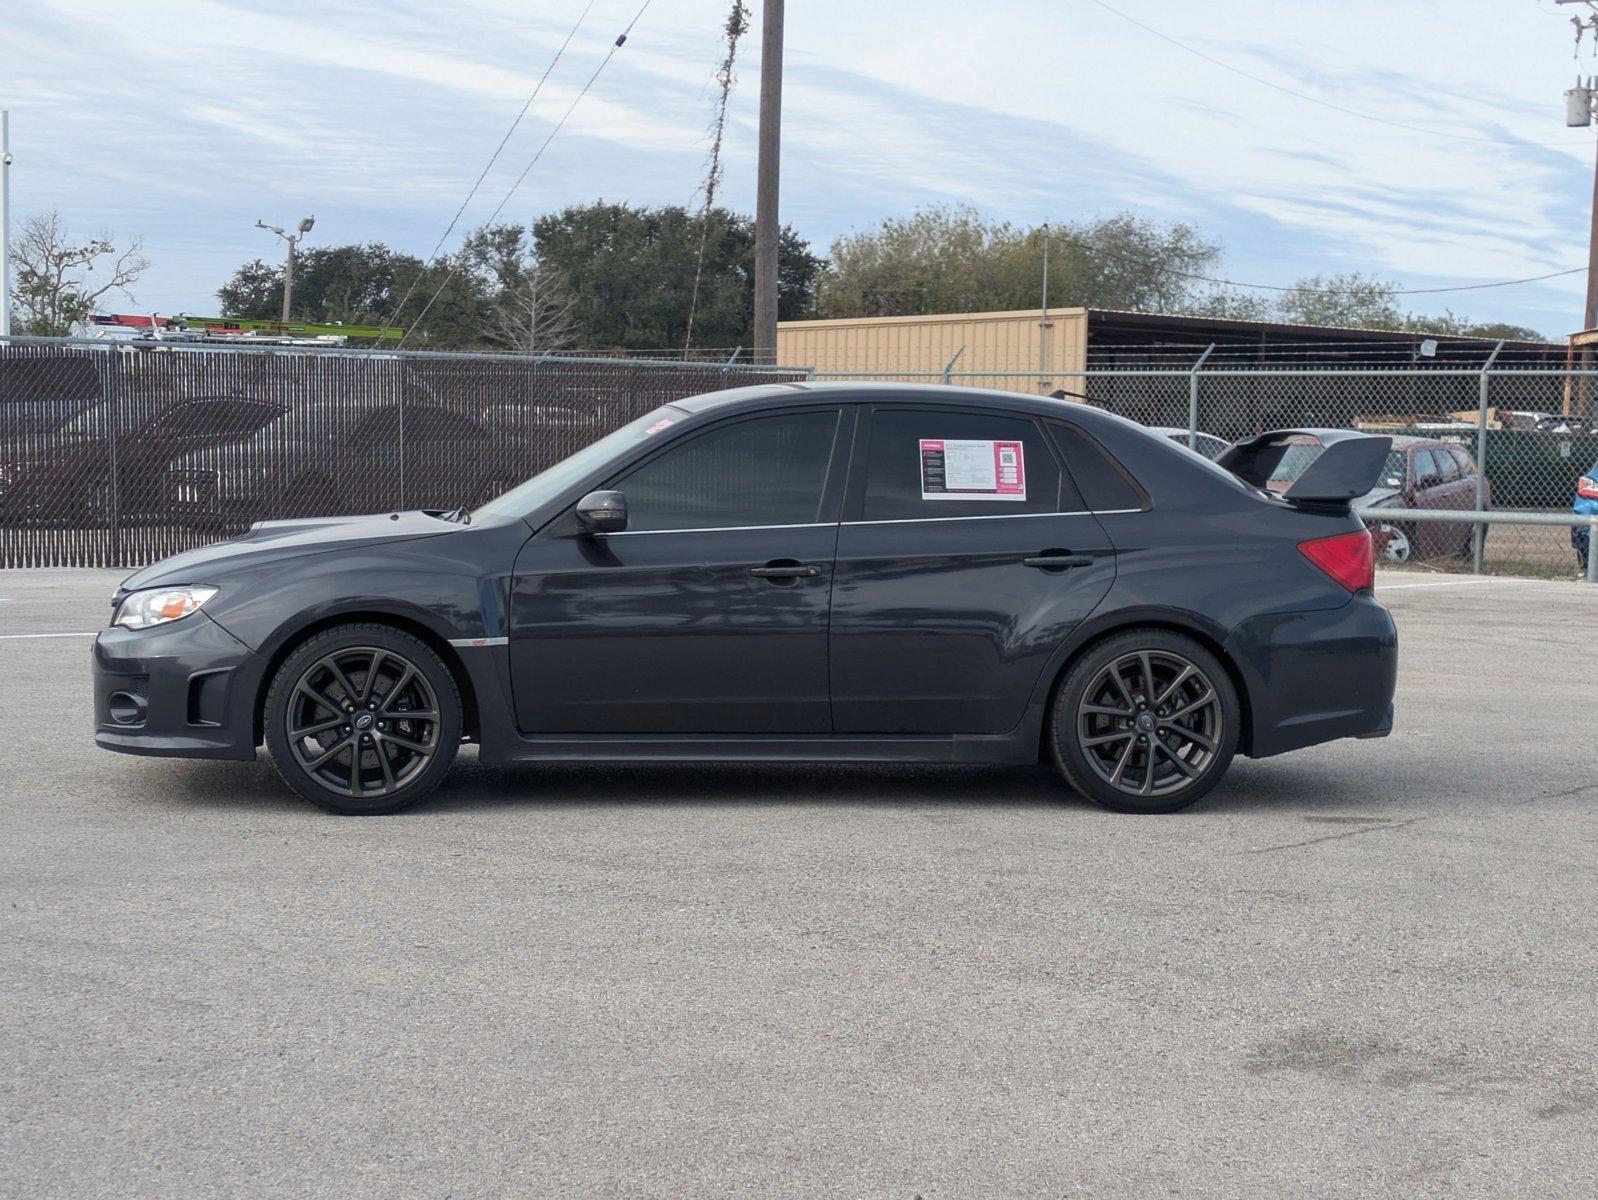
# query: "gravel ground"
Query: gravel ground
1363,969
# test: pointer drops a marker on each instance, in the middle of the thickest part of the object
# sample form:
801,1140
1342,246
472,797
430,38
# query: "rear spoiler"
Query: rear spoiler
1347,468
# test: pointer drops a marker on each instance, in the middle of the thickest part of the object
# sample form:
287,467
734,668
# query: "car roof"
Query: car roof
786,395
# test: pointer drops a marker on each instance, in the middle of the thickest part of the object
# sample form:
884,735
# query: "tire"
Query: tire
395,760
1400,546
1109,761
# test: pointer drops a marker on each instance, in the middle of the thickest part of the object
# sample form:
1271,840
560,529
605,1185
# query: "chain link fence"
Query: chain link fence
121,454
1503,438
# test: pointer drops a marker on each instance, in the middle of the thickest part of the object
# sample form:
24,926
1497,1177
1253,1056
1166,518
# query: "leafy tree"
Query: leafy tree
631,271
59,283
366,285
952,259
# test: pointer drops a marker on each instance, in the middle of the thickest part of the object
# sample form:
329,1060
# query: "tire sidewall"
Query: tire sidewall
422,656
1072,761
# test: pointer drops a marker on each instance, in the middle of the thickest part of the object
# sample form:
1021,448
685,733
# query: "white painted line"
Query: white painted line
1398,587
11,637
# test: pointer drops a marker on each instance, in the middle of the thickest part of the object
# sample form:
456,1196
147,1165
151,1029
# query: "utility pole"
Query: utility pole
767,222
293,239
5,223
1579,104
1043,318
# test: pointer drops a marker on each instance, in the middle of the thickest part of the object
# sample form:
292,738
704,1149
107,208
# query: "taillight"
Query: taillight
1347,557
1587,487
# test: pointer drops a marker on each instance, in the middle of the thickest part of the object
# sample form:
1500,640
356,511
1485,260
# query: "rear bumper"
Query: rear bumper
183,690
1318,676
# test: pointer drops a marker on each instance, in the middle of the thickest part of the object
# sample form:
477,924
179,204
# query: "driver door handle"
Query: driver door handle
791,570
1056,560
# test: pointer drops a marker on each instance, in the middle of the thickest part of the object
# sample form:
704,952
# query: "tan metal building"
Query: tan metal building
999,342
1030,351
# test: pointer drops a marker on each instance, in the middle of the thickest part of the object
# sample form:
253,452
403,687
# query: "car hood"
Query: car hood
1374,498
270,541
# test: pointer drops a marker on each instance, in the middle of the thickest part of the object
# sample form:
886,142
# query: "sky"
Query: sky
182,122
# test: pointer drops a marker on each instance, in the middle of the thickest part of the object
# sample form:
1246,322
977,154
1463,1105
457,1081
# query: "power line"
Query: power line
1432,291
1312,99
559,125
492,159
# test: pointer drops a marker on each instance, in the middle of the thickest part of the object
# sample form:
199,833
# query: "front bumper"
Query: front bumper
185,690
1317,676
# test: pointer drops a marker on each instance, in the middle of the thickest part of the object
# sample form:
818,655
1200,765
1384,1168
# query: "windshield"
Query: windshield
546,485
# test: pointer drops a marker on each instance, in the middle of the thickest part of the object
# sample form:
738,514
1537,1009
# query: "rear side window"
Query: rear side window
1467,465
768,471
1105,484
1447,464
928,463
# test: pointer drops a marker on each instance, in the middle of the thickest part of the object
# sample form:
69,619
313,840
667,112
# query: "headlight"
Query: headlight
157,606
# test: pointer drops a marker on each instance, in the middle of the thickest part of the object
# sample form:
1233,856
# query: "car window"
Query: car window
1447,465
1467,464
216,418
1426,471
1394,470
936,463
767,471
428,425
1104,484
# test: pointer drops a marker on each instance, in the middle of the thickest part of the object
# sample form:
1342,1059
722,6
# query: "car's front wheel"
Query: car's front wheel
1144,722
363,719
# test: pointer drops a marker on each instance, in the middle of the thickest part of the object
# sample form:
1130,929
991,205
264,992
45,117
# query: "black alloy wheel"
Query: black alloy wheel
1145,722
363,719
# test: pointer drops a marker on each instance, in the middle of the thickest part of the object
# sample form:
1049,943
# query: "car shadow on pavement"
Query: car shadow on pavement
1280,786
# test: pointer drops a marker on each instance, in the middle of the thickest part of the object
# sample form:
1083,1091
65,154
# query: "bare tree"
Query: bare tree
533,312
59,284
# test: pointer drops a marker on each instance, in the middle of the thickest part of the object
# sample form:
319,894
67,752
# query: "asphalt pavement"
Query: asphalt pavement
1363,969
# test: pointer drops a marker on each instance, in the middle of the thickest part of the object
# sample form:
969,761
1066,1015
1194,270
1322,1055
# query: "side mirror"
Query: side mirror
602,512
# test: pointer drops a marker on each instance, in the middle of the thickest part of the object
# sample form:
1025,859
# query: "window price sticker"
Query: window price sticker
972,470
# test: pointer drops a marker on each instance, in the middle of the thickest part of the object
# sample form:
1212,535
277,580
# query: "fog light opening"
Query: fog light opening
126,708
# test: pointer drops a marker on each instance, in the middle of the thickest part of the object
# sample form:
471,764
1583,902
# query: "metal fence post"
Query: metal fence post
1193,397
948,367
111,394
1479,532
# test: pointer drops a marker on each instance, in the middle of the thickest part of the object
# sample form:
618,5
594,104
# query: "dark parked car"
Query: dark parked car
69,474
784,573
337,456
1422,473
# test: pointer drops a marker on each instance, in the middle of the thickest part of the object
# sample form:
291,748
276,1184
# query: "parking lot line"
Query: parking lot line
12,637
1398,587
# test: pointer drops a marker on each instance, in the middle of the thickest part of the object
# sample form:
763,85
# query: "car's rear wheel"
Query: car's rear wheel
1400,545
1145,721
363,719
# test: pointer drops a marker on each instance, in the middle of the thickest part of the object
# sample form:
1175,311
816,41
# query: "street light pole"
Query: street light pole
5,223
767,221
293,239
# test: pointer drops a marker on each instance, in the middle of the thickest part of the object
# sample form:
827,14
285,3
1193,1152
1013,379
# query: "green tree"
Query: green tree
630,271
366,285
952,259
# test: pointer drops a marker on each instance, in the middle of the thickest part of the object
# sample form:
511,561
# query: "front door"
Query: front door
709,614
965,560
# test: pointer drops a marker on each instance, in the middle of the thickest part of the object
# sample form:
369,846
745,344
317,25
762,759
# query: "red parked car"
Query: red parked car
1422,473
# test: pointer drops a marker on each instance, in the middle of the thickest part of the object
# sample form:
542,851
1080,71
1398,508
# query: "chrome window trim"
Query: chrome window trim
720,529
1080,512
473,642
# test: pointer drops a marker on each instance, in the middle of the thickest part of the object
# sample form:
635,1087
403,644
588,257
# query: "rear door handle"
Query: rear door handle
788,570
1056,561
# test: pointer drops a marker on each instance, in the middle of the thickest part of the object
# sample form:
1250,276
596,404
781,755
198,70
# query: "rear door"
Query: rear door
964,559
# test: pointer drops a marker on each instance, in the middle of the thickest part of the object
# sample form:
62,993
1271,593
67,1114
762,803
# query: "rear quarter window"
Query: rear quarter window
1105,485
